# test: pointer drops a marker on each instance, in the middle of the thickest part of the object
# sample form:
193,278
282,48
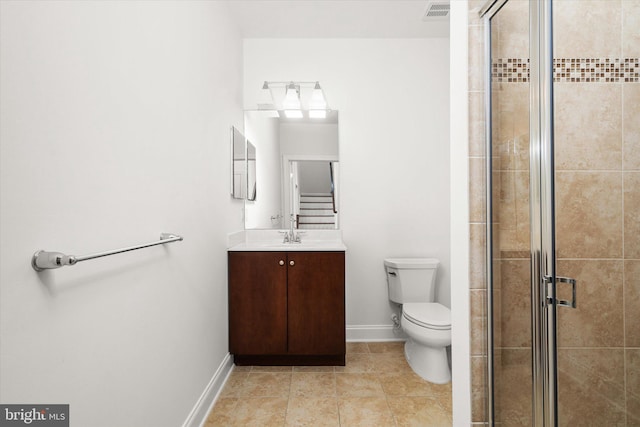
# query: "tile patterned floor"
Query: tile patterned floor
376,388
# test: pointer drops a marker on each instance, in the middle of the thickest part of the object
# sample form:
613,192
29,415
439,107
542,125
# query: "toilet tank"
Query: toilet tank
411,279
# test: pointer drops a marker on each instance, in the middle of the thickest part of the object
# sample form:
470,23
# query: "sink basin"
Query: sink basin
322,245
272,241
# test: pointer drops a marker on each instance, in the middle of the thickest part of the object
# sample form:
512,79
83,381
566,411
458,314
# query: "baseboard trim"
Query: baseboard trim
356,333
198,415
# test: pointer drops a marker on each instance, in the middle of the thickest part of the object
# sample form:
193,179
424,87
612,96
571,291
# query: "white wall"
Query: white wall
393,100
460,313
309,138
315,177
115,127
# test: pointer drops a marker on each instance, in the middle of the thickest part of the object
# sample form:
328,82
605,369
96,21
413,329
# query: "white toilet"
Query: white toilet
427,323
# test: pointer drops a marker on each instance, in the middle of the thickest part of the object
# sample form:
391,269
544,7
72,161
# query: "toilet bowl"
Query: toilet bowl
426,323
428,326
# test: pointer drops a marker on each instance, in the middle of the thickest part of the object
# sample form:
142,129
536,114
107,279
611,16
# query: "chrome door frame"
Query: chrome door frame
542,213
487,12
542,205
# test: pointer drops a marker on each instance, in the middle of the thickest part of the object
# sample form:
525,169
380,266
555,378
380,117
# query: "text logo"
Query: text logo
34,415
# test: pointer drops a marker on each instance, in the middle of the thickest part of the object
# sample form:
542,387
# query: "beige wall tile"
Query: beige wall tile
497,317
477,256
631,107
512,126
591,387
588,126
513,388
633,386
474,9
476,189
478,389
590,29
632,215
513,211
597,321
476,124
478,322
516,303
589,214
476,58
513,29
477,133
632,302
630,25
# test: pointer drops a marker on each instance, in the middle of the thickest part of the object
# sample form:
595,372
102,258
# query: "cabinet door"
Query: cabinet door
316,303
257,303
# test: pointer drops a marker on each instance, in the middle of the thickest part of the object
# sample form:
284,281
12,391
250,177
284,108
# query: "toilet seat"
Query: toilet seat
430,315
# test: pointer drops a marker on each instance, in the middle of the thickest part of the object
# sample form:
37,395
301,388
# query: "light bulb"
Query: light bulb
317,100
291,99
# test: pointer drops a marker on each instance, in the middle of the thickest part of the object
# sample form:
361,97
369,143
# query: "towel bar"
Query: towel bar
44,260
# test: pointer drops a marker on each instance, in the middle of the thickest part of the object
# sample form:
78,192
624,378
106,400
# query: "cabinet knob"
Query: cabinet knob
292,263
281,262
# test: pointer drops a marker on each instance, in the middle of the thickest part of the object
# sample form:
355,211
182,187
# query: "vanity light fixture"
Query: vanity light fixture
317,103
292,99
265,99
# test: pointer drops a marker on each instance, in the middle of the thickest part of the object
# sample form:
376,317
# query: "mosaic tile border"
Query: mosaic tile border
571,70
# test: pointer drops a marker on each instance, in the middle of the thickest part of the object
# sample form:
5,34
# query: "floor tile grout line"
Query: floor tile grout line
377,371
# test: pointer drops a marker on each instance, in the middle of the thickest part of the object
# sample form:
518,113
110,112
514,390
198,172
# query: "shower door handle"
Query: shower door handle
563,302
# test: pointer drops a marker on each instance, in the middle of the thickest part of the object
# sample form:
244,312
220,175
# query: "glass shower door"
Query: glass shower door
563,212
508,212
596,115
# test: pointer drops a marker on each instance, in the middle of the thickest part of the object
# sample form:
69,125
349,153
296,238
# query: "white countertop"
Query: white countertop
271,240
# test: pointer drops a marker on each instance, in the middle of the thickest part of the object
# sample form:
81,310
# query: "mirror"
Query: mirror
243,166
251,171
298,169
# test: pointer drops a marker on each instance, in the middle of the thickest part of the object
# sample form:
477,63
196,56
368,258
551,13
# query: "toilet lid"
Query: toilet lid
428,314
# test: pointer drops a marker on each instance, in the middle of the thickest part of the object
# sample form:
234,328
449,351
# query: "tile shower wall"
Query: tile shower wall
477,218
597,110
596,94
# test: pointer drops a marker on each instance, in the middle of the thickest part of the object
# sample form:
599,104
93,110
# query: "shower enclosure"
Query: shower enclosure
563,212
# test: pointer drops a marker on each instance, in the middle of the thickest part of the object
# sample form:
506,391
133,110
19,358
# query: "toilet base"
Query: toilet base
429,363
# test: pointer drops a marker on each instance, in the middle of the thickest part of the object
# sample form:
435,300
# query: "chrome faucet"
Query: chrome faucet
291,236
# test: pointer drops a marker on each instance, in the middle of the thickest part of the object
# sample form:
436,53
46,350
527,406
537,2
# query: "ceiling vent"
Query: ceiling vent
436,10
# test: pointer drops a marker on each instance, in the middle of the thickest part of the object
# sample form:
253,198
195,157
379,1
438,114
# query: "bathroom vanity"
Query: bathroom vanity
287,304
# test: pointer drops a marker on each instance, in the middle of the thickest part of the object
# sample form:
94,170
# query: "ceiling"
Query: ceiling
336,19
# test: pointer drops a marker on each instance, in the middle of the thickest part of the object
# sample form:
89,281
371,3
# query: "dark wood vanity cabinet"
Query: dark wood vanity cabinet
287,308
